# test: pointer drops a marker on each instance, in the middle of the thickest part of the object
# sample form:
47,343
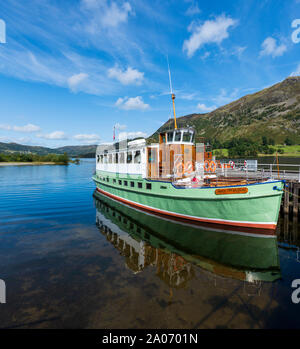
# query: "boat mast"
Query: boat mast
172,95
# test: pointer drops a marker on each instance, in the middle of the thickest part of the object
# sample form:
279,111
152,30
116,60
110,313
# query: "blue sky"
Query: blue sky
71,70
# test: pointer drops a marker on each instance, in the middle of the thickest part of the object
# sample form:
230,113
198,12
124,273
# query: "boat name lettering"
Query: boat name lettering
243,190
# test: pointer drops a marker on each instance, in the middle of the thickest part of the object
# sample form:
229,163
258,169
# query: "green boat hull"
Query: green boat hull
258,208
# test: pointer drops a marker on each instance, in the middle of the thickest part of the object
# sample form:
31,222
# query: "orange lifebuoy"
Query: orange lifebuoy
188,168
180,168
206,166
212,166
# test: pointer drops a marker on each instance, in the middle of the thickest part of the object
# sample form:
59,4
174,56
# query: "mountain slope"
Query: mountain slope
273,112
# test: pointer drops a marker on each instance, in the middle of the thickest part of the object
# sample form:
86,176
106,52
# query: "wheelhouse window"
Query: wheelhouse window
170,136
137,157
177,137
186,137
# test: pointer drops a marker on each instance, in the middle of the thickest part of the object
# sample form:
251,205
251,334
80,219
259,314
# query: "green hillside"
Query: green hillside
273,112
77,150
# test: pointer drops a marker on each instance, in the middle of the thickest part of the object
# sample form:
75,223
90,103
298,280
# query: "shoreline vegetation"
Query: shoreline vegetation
242,147
22,159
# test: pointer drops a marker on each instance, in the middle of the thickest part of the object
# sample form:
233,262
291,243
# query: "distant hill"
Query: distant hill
273,112
76,150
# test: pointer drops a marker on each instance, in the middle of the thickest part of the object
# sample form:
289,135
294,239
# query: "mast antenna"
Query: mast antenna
172,94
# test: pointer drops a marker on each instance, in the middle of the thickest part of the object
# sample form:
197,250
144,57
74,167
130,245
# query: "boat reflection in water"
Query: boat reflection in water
175,248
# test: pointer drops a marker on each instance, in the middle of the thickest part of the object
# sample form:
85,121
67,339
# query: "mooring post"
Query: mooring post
286,201
286,228
295,199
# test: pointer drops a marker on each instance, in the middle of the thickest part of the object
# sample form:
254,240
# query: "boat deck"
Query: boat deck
213,182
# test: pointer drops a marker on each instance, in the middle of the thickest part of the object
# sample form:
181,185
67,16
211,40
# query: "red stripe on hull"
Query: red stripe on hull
263,229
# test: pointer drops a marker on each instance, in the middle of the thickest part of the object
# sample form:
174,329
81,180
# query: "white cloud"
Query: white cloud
131,135
270,48
225,97
211,31
54,135
297,71
120,127
27,128
193,9
75,80
126,77
87,138
5,127
203,108
106,15
133,103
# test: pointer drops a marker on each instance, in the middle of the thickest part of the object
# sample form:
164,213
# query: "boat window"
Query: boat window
152,155
177,136
125,183
105,159
116,158
137,157
140,185
170,136
122,158
186,137
129,158
120,182
114,180
192,137
101,159
132,184
110,158
163,137
98,158
148,186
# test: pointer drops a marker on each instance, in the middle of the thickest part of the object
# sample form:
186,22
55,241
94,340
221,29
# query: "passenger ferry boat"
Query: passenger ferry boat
177,178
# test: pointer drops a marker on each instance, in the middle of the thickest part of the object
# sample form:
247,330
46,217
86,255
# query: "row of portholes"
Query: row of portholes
127,183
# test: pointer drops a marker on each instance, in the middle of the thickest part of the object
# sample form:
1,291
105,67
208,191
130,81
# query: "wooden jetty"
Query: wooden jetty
291,198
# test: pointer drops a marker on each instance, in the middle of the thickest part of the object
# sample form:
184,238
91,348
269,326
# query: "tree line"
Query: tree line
30,157
245,147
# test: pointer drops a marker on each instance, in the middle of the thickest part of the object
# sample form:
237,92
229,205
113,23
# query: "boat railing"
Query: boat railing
263,170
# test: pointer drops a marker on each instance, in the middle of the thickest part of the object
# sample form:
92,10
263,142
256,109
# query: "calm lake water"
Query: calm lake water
70,260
